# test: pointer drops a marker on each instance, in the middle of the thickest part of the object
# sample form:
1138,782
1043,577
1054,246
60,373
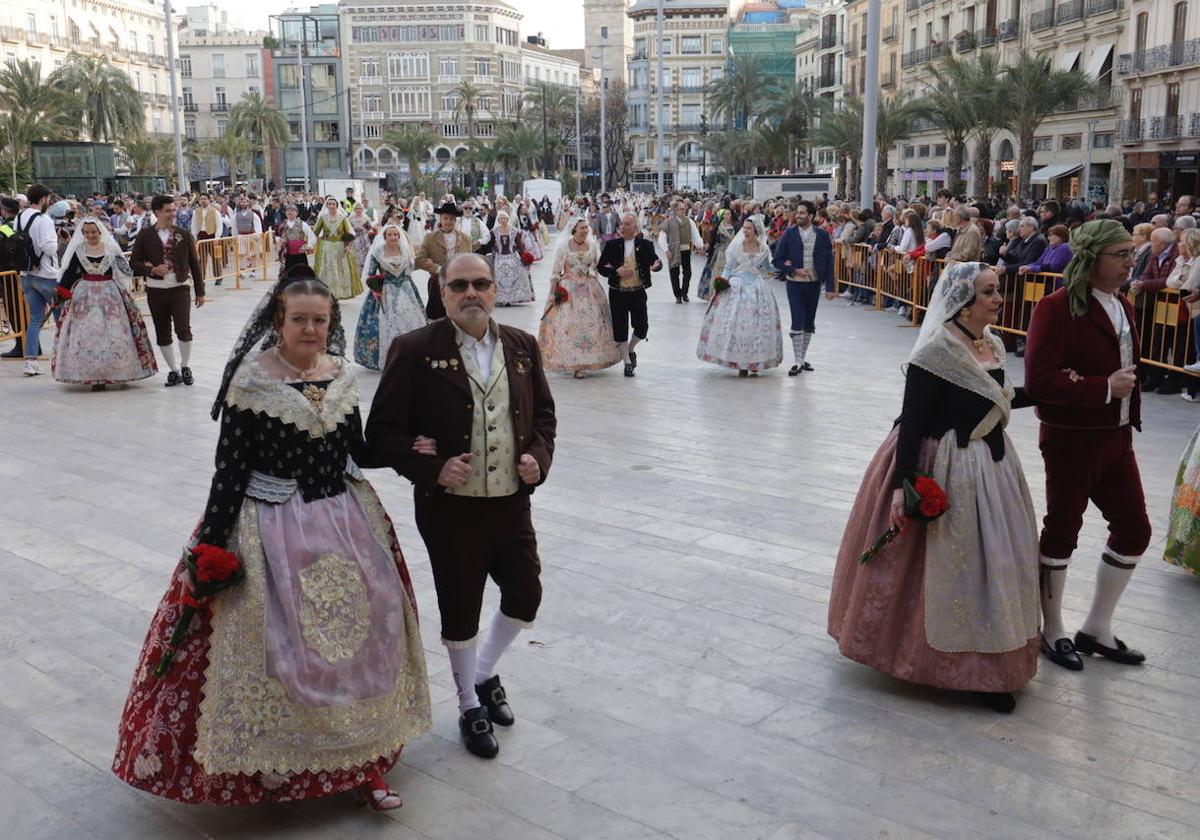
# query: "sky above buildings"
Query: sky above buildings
559,21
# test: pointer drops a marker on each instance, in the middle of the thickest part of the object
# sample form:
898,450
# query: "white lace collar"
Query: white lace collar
254,389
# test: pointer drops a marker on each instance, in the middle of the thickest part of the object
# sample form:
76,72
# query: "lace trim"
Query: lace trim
270,488
946,358
247,722
253,389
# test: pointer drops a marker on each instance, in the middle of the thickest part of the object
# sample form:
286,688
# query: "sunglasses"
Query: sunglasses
480,284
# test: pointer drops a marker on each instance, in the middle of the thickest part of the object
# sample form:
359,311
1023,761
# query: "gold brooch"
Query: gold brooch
314,395
522,365
454,364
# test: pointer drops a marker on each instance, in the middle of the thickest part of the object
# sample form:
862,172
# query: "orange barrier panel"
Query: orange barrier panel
14,314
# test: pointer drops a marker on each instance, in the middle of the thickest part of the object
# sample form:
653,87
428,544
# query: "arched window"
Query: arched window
443,154
385,156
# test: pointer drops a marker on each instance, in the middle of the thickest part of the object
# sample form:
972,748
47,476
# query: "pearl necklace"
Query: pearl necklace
302,374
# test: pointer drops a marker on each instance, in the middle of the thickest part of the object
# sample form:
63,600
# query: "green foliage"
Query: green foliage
112,108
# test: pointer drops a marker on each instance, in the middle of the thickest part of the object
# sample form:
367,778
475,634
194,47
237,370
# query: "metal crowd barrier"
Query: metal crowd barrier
236,257
14,314
1165,326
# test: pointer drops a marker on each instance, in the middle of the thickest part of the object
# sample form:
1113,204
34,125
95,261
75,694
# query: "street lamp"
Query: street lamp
1087,167
181,175
703,151
603,120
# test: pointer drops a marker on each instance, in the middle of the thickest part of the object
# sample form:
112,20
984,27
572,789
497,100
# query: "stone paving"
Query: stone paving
679,683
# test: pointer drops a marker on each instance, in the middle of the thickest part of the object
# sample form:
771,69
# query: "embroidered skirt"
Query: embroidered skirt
297,683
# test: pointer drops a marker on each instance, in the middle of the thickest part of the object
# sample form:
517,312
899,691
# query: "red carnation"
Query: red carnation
527,257
933,499
213,564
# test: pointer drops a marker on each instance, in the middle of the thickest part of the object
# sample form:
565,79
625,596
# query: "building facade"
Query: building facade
695,52
406,62
130,33
608,36
218,65
1078,34
819,65
1159,64
855,52
766,32
323,120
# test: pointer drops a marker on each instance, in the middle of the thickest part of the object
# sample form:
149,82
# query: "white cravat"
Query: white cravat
1116,313
630,245
482,349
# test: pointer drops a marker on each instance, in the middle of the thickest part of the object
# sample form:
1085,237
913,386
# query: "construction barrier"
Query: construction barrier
1165,326
14,314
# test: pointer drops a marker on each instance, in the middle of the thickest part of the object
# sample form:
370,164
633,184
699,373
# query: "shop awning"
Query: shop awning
1053,172
1066,60
1097,60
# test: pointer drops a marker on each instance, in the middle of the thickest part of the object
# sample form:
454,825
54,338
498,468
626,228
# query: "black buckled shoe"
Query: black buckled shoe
477,733
629,369
1062,653
632,358
494,698
1122,653
806,366
186,374
795,370
173,379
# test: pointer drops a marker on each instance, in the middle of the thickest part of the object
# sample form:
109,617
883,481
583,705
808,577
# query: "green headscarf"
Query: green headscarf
1087,241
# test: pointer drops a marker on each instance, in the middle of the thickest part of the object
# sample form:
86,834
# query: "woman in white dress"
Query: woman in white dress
394,305
741,327
102,339
509,247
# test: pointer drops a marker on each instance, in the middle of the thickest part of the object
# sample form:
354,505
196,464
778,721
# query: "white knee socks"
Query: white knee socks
1054,581
624,346
1112,576
168,354
633,342
462,664
797,346
504,631
805,340
185,352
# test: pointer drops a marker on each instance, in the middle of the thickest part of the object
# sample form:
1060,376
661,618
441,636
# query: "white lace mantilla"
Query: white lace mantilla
254,389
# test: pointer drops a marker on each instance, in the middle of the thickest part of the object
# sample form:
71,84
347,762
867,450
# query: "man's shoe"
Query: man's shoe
493,697
686,299
477,733
216,282
795,370
633,358
629,370
173,379
31,368
15,354
1062,653
806,366
186,376
1122,653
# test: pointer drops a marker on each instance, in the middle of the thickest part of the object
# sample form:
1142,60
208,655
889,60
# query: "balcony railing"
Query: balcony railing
371,115
1041,20
1099,7
1194,126
888,78
827,80
986,37
1164,57
190,108
891,32
912,5
1110,97
218,107
689,88
1009,29
923,55
1132,131
370,80
1166,128
1070,11
964,43
829,39
851,50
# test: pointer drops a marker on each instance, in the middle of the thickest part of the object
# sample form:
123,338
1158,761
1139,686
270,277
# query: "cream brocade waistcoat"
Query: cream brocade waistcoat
493,438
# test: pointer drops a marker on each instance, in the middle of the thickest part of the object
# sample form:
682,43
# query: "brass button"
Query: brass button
493,448
492,468
491,428
491,406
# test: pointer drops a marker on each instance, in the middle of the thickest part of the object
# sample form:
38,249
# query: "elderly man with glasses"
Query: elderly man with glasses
464,411
1080,371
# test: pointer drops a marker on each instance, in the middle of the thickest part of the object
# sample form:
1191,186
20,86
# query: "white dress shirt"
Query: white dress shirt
1116,313
482,349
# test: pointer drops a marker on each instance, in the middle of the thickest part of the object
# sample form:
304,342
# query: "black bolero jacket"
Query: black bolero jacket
933,407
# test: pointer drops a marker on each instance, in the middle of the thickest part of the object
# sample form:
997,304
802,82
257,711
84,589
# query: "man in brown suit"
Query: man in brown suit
437,248
166,256
464,412
968,243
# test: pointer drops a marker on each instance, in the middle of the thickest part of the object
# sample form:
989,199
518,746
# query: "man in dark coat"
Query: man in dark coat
627,262
464,411
1080,370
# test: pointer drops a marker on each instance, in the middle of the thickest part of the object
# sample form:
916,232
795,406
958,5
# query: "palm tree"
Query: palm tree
946,103
412,143
1035,91
233,151
559,116
842,131
736,96
260,122
467,96
486,156
772,146
31,109
518,148
984,90
150,154
894,123
796,110
111,107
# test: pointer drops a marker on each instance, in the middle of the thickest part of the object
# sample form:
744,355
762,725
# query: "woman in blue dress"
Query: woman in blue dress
394,305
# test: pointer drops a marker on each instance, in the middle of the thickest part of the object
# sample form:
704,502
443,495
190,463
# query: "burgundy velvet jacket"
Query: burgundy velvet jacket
1087,345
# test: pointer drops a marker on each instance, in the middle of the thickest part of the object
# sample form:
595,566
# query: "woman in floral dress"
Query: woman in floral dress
102,339
576,333
335,263
1183,531
306,678
397,307
509,247
741,326
364,232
